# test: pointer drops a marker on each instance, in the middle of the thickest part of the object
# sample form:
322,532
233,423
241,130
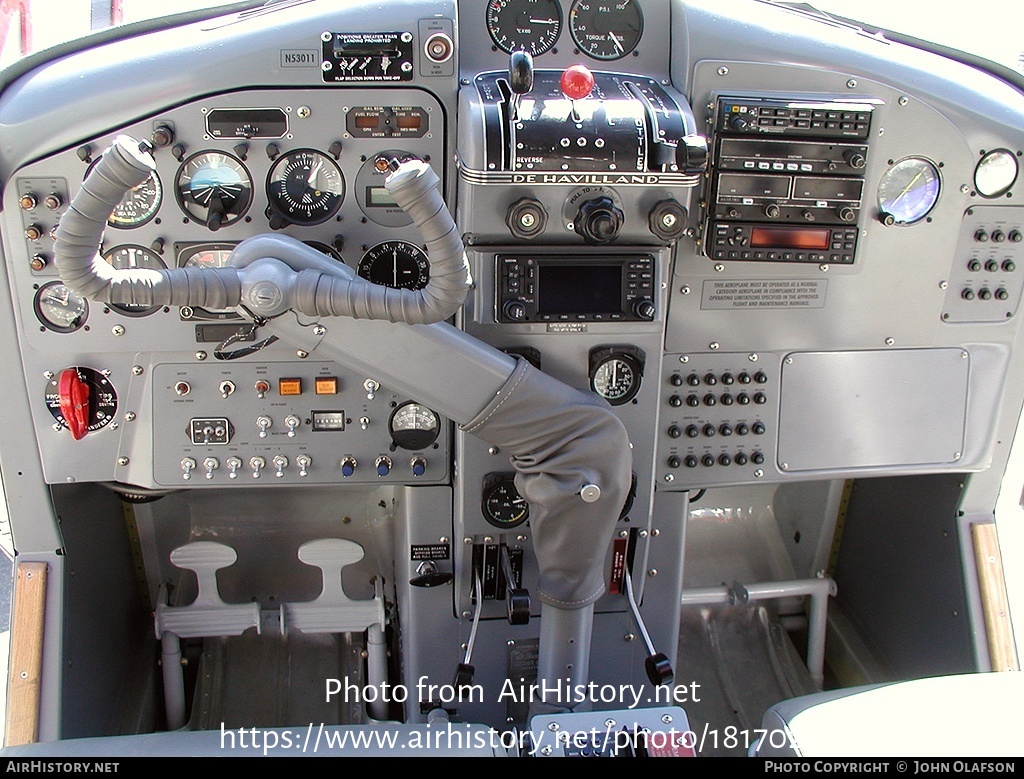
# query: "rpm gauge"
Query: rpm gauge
129,257
908,191
213,188
502,505
532,26
606,29
395,264
306,187
59,309
615,374
413,426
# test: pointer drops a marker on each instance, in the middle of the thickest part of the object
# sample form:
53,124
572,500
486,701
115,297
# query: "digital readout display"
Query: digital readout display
328,420
378,197
579,289
790,237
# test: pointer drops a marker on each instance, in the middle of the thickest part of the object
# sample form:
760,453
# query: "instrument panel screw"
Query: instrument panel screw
684,358
129,416
956,455
48,374
493,450
623,533
890,341
302,354
552,726
758,473
546,749
669,477
642,534
904,100
964,188
655,533
57,427
522,539
303,112
629,637
685,289
719,268
319,330
443,539
652,572
122,460
106,372
326,65
488,539
752,357
467,540
943,284
714,346
789,361
609,723
466,615
117,329
200,356
723,71
510,642
852,83
136,370
823,267
325,36
666,718
784,466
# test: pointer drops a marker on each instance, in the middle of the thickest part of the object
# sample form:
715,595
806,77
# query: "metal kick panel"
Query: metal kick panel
223,425
872,409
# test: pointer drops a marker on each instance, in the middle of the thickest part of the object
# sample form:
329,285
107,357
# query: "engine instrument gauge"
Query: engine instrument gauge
205,255
59,309
213,188
129,257
102,400
615,375
139,205
995,173
413,426
502,505
606,29
306,187
908,191
395,264
532,26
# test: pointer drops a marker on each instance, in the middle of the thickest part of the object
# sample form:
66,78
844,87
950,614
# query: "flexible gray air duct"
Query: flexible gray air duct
414,186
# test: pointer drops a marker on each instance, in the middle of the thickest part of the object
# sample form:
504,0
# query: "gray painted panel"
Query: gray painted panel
872,409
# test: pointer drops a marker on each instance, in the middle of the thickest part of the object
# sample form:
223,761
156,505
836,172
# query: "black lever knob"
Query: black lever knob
463,675
520,72
599,220
517,606
659,669
431,579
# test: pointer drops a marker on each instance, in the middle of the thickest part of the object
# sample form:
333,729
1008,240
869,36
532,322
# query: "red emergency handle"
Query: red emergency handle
74,402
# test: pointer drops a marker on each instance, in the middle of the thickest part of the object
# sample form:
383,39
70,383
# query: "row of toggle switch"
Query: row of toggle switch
710,399
709,460
710,431
258,464
711,379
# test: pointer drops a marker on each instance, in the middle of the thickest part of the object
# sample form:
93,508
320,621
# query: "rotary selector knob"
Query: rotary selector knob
515,310
644,309
599,220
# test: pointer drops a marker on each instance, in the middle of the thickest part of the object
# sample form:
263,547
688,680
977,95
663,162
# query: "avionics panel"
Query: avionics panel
788,180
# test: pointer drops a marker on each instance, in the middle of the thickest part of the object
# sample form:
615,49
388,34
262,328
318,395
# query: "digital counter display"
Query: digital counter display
790,237
378,197
408,121
328,420
366,121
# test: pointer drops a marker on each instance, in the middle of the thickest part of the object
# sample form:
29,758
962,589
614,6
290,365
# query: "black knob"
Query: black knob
1002,294
738,122
727,399
526,218
692,153
991,266
760,398
974,266
277,222
727,378
515,310
742,428
692,431
984,294
659,669
743,399
725,429
981,236
967,294
758,428
520,72
1016,236
757,458
692,400
724,459
599,220
1009,266
709,430
740,458
517,607
691,461
744,378
710,399
847,214
772,211
855,159
707,460
674,432
998,236
710,379
674,462
761,377
693,380
644,309
886,218
675,380
675,401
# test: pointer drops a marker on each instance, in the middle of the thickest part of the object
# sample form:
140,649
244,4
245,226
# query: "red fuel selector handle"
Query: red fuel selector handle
74,402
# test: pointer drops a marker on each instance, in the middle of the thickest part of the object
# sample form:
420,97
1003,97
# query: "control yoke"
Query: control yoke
563,443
